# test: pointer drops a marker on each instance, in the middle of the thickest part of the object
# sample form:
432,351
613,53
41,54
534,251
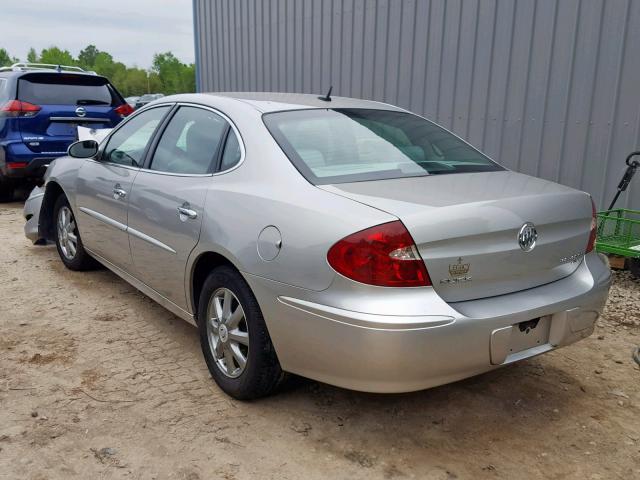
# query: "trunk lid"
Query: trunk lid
466,228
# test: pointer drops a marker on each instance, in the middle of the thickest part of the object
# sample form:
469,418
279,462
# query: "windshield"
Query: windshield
352,145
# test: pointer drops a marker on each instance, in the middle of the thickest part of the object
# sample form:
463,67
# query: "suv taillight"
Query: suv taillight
594,228
384,255
18,108
124,110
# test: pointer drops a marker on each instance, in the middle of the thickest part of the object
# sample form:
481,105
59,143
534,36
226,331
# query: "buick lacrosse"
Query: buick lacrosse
348,241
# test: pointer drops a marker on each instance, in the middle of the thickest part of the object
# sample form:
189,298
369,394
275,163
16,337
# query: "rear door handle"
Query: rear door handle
118,192
185,212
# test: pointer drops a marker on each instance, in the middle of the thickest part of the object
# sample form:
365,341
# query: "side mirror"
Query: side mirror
83,149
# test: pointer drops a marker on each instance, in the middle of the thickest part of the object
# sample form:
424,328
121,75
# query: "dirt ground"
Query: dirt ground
99,382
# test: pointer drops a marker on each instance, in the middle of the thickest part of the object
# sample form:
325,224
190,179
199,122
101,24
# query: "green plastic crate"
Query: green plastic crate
619,232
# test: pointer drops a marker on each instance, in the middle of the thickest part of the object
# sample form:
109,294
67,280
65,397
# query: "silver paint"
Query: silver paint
323,325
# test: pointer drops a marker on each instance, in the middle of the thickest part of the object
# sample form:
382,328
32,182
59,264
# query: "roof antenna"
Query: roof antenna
327,97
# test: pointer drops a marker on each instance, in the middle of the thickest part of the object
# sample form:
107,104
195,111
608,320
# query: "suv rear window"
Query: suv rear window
65,89
352,145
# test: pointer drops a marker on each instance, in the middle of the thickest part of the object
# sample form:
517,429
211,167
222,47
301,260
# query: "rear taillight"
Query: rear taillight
14,165
594,228
124,110
384,255
18,108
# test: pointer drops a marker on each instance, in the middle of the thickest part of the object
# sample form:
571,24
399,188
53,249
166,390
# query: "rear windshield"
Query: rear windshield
352,145
65,89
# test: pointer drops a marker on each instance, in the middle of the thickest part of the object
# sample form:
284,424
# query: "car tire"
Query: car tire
6,190
634,267
72,252
224,349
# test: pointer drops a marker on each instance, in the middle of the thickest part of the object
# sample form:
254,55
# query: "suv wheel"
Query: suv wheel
634,267
68,241
6,190
234,338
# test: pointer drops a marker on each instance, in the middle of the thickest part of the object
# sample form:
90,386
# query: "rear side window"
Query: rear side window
3,89
66,89
189,144
128,144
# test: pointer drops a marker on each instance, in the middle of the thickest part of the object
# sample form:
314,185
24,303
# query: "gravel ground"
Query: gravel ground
98,382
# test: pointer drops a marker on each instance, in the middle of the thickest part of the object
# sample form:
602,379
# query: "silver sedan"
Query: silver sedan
344,240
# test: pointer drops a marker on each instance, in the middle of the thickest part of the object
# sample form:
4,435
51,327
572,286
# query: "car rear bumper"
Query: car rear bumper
35,168
400,353
18,162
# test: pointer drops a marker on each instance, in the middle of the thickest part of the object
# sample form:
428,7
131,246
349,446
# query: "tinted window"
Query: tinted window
232,153
190,142
350,145
127,145
66,89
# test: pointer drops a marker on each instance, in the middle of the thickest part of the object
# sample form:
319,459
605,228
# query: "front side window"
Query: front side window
128,144
352,145
190,142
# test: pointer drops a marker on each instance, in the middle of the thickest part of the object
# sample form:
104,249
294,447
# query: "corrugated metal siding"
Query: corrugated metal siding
546,87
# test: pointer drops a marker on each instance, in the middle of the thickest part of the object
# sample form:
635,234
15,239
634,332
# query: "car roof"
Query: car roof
21,73
277,101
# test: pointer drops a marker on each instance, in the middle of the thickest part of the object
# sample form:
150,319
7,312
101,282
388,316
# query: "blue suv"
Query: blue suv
41,107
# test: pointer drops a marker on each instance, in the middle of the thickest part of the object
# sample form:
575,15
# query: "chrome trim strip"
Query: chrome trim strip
151,240
171,174
80,119
113,164
368,320
122,227
104,219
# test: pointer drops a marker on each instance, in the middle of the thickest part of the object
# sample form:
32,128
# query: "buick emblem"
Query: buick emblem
81,112
527,237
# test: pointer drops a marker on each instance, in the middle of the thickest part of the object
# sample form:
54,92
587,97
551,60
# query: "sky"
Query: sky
130,30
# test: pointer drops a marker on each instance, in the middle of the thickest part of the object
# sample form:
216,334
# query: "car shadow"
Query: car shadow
530,396
502,406
534,385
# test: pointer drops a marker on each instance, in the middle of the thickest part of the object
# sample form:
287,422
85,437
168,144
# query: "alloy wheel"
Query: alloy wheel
228,332
67,234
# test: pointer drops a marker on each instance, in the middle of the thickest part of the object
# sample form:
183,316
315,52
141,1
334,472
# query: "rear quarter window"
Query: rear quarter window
66,89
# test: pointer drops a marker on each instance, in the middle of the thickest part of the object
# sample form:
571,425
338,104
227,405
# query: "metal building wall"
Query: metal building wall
546,87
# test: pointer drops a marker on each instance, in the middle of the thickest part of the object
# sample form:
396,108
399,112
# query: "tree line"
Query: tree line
167,74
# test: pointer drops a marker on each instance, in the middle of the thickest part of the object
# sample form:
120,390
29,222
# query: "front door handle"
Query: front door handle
185,212
118,192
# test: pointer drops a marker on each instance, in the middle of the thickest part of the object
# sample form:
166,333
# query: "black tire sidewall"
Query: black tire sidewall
6,190
262,372
634,267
